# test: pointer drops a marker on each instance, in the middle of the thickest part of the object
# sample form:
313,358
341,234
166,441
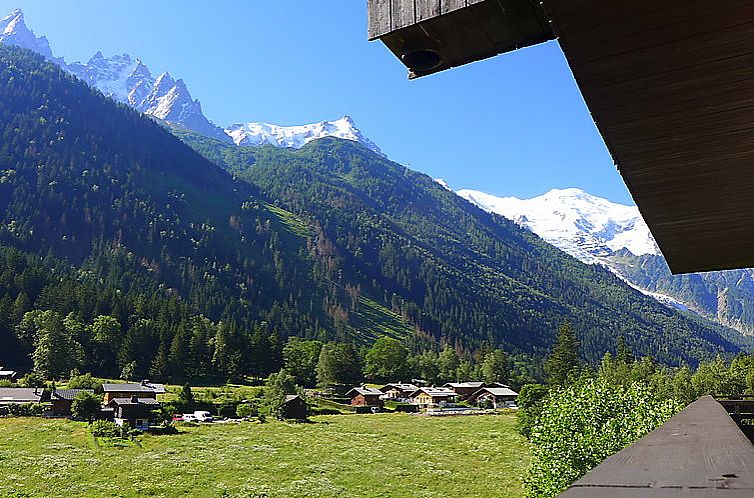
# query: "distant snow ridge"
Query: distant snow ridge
129,81
587,227
297,136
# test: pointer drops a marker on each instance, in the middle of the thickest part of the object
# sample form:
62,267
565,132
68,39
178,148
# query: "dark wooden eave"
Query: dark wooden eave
669,83
455,31
699,452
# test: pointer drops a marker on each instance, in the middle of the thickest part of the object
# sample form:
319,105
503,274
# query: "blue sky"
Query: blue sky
511,125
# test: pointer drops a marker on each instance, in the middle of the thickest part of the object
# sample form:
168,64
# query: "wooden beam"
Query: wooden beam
699,452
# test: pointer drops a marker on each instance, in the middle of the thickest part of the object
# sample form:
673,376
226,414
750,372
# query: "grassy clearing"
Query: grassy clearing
374,320
344,455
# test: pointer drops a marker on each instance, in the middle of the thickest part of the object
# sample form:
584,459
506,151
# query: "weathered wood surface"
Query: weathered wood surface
458,31
698,452
670,85
386,16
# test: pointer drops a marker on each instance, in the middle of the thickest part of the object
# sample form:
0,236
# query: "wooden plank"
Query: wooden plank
427,9
688,52
699,449
402,14
655,29
451,5
378,18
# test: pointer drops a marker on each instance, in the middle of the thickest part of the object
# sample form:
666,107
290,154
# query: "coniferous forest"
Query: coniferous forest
122,248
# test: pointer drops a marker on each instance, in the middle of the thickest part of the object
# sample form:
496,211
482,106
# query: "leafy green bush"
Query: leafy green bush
246,410
581,425
104,428
26,410
529,406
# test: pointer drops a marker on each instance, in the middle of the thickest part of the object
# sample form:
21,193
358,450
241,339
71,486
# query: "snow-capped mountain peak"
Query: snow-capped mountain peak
255,134
583,225
13,31
128,80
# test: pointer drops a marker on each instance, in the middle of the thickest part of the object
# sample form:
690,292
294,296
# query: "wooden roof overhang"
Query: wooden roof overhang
433,35
670,85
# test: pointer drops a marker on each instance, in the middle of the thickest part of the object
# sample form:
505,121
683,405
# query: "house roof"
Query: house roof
400,386
435,392
134,388
292,397
70,394
20,395
130,401
7,373
496,391
364,391
455,385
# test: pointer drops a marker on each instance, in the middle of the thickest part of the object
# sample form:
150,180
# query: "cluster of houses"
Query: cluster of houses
131,403
492,394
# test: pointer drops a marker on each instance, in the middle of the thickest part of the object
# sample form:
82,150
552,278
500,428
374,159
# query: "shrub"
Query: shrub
7,383
246,410
529,401
26,410
227,409
581,425
85,381
406,408
104,428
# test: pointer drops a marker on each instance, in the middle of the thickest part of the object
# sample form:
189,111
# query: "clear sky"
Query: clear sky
511,125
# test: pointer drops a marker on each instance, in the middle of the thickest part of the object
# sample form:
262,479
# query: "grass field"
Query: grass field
343,455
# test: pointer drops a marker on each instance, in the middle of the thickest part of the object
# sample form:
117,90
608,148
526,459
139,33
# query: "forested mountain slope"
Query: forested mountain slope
132,251
460,274
96,184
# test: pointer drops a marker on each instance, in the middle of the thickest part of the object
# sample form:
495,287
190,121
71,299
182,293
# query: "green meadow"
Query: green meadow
341,455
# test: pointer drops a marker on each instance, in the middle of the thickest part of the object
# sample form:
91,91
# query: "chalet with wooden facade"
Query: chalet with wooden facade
295,407
431,397
499,397
398,391
137,412
145,389
365,396
62,400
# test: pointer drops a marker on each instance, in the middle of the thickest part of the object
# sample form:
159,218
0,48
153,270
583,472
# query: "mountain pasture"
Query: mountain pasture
342,455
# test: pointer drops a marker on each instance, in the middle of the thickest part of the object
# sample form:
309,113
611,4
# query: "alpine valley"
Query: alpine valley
597,231
192,250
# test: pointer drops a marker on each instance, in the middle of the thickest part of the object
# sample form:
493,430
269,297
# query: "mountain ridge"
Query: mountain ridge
597,231
128,80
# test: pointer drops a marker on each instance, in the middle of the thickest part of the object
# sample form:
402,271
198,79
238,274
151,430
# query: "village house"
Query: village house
500,397
145,389
294,407
7,374
137,412
62,400
398,391
365,396
21,395
430,397
464,389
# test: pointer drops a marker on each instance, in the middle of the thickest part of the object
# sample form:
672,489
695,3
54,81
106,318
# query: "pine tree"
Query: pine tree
563,361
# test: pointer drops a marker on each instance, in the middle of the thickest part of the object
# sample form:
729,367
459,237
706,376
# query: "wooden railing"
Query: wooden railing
700,451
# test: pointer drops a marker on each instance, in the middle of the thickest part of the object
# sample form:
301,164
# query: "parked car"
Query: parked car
202,416
178,417
189,417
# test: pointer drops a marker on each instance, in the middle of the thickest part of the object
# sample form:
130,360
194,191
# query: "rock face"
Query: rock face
597,231
129,80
